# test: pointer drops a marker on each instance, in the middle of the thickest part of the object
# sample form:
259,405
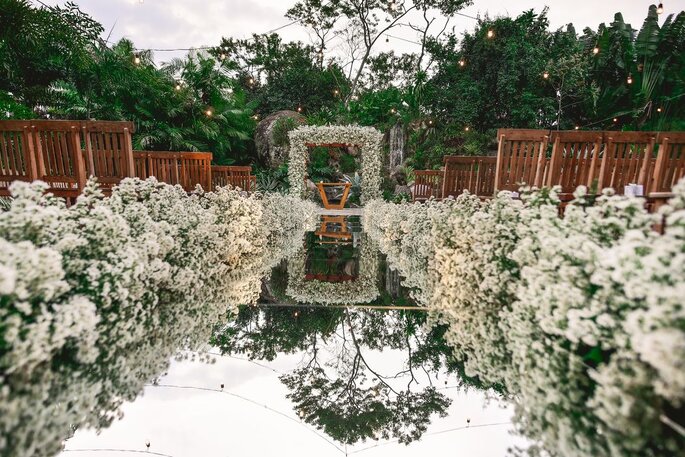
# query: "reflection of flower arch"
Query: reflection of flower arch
368,139
363,289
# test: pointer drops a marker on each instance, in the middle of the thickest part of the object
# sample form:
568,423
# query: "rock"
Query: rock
271,139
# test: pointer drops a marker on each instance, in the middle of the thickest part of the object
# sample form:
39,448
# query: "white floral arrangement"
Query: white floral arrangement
368,139
363,289
580,318
97,297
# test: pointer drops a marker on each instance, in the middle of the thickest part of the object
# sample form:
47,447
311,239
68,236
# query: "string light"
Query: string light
595,50
430,122
658,110
256,118
630,79
660,8
178,86
491,33
336,92
615,120
296,313
250,81
545,75
136,59
467,128
387,39
299,109
462,63
577,127
147,444
355,97
393,110
222,56
209,113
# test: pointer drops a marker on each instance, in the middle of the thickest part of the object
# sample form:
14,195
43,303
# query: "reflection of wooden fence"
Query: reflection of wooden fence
234,176
65,153
475,174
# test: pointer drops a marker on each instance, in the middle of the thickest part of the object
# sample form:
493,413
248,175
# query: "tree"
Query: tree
278,75
375,18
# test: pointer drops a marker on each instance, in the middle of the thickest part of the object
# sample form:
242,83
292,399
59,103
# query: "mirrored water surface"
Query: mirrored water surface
335,359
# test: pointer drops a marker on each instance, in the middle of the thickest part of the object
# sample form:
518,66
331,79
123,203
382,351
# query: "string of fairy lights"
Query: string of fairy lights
297,420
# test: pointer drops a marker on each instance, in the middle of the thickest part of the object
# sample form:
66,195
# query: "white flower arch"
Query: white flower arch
367,139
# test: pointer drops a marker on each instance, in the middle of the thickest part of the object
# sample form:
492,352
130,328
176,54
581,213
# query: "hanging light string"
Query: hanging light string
218,354
249,400
127,451
439,432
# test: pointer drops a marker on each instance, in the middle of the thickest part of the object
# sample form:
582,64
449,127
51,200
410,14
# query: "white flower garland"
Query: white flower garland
116,286
364,289
368,139
579,318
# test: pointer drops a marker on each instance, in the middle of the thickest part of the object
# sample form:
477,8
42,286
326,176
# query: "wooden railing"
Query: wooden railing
597,159
475,174
65,153
234,176
427,184
187,169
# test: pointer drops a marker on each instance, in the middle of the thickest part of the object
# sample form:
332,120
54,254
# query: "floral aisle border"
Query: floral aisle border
364,289
368,139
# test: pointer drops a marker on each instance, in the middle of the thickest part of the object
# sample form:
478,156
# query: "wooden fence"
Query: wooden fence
475,174
427,184
235,176
64,153
187,169
596,159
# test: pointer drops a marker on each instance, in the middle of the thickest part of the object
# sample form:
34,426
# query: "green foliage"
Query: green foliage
280,130
11,109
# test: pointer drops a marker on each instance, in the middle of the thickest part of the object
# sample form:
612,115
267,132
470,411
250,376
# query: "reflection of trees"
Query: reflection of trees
340,386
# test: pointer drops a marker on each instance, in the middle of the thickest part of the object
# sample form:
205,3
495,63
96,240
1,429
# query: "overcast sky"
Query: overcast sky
191,23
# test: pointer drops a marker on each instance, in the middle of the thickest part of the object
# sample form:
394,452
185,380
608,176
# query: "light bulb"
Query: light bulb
545,75
299,109
222,56
136,60
491,33
630,79
466,129
658,110
393,110
178,86
147,444
660,8
615,120
577,127
209,113
462,63
595,50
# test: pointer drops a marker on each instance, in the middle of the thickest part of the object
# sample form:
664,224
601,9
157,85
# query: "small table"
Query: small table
324,198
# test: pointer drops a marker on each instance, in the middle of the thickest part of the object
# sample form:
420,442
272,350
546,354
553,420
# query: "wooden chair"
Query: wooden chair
521,158
17,158
186,169
235,176
670,162
629,158
473,173
575,160
57,146
427,184
108,152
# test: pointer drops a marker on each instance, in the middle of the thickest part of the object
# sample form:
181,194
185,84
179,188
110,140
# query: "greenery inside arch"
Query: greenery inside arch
367,139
